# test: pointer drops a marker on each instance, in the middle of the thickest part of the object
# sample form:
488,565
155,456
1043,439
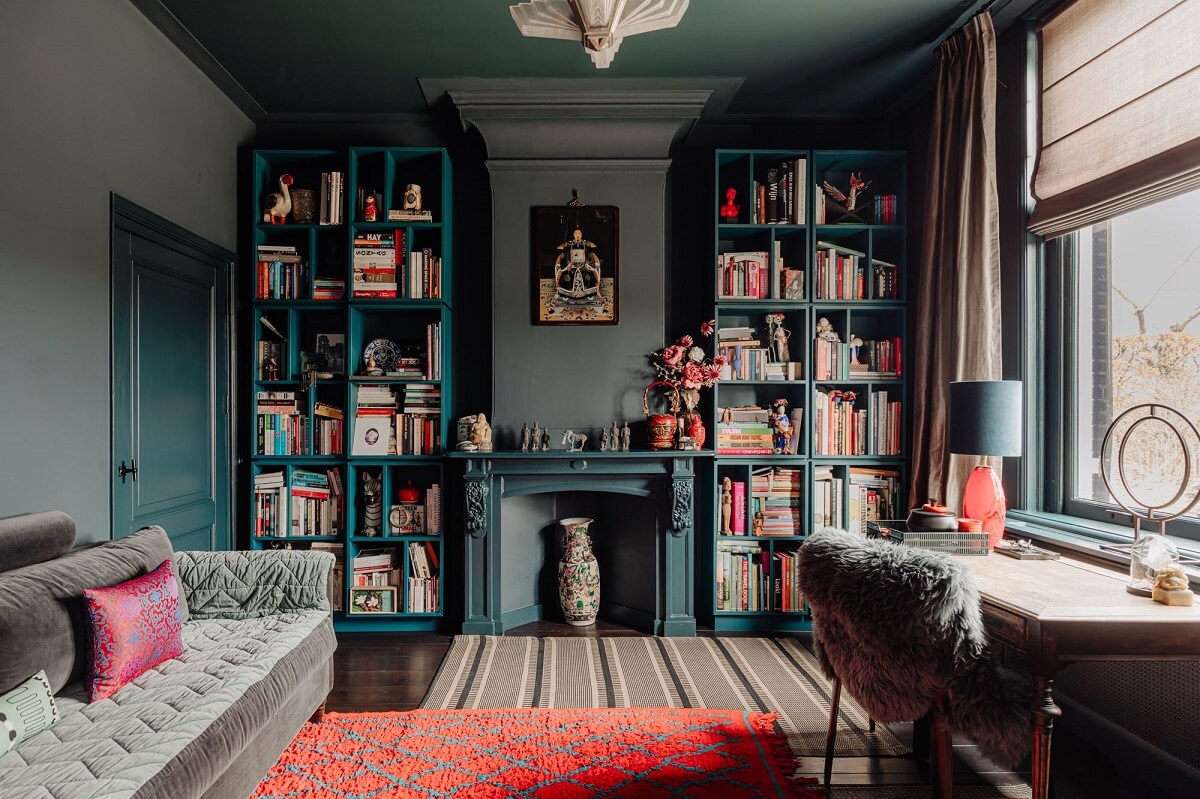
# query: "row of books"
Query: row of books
417,421
886,424
830,360
779,200
878,359
840,273
328,288
282,273
839,426
874,496
422,578
330,432
885,209
332,202
752,579
383,267
338,573
827,497
313,503
758,275
280,427
776,501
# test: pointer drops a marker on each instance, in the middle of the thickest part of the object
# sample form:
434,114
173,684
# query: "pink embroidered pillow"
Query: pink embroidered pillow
135,626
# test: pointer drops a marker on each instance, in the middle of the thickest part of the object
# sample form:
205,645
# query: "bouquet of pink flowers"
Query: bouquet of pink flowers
685,365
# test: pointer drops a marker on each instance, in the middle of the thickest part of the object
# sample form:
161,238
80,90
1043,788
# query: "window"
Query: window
1132,311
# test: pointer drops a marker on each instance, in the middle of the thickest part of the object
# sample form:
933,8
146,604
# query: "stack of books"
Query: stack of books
328,288
788,597
418,424
839,427
874,496
779,200
375,567
424,278
282,274
744,431
743,573
743,275
776,501
886,424
827,497
840,273
878,360
376,256
830,360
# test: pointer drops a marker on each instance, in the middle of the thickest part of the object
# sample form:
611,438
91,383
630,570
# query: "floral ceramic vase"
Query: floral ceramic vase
578,574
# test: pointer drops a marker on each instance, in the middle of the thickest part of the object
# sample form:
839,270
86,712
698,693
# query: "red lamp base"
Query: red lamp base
983,499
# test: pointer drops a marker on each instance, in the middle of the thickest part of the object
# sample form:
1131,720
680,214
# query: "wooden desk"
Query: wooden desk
1058,612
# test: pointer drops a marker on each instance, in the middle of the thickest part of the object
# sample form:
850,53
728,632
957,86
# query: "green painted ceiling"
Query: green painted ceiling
798,58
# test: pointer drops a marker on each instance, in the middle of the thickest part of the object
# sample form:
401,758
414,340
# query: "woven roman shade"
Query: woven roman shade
1120,110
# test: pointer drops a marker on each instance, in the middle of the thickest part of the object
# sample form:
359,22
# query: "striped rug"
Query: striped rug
751,674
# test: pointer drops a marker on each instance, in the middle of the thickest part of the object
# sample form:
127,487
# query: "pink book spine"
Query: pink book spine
737,521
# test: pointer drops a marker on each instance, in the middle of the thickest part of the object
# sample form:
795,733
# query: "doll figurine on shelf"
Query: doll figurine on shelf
730,209
370,211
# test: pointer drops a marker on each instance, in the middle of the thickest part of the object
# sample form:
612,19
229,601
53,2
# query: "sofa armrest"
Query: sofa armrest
245,585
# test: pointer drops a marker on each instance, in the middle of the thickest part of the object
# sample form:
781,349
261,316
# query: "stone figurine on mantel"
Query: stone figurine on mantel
624,437
525,437
604,439
614,435
535,438
546,441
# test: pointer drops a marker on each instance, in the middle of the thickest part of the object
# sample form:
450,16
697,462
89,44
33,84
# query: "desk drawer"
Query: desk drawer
1004,627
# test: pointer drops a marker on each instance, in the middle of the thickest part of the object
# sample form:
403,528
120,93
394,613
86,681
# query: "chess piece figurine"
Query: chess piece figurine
726,506
525,437
624,437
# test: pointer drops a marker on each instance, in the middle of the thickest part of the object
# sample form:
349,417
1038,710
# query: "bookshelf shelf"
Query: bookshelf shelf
779,257
308,313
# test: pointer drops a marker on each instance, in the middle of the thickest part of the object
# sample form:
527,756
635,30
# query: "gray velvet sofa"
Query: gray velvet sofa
257,663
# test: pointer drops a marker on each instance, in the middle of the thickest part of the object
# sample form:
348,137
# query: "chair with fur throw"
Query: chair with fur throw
901,629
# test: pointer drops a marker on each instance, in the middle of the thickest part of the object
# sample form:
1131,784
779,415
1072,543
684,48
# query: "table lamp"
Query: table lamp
985,420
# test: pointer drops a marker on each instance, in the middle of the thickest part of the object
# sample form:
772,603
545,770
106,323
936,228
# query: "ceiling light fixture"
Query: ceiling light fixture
599,24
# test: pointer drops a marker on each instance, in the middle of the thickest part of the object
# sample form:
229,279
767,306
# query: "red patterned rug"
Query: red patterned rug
542,754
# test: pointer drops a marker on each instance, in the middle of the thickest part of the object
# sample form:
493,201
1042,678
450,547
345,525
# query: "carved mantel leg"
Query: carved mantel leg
1043,715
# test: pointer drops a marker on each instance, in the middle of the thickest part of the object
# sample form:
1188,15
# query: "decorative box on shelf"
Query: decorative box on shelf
952,543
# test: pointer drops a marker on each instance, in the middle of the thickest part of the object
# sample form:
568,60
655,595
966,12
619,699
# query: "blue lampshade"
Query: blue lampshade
985,417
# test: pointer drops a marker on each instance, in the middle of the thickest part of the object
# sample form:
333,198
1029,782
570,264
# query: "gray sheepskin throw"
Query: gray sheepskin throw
898,624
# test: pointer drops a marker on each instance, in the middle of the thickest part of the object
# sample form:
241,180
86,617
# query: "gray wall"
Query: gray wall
95,99
573,376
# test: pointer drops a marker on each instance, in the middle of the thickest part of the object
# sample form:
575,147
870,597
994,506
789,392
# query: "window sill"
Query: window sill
1083,537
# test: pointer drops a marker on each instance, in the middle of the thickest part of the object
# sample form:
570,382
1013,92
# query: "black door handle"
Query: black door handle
131,469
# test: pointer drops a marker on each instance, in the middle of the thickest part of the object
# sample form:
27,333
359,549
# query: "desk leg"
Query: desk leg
1044,713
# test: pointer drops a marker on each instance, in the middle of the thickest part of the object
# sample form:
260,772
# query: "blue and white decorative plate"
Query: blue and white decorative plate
385,352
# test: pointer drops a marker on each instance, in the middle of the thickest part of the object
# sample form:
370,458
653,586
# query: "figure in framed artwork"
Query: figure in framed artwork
575,265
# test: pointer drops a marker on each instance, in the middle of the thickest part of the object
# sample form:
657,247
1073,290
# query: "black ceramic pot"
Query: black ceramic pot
932,518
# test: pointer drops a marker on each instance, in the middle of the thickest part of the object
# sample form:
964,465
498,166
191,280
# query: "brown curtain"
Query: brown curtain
958,278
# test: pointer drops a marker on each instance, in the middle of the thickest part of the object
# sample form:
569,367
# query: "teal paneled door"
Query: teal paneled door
171,381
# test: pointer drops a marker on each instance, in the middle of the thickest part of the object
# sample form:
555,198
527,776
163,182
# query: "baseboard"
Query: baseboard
636,619
520,616
1143,765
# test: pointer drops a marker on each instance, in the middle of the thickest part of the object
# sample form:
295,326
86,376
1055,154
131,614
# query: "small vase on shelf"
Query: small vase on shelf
578,574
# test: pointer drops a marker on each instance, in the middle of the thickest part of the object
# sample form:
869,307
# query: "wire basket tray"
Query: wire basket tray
952,543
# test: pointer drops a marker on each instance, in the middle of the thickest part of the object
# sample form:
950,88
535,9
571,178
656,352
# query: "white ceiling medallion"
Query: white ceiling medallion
599,24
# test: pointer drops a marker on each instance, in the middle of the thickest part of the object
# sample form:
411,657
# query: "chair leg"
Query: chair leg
942,755
832,735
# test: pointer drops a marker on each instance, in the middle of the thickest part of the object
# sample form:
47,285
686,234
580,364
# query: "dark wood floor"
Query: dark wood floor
376,672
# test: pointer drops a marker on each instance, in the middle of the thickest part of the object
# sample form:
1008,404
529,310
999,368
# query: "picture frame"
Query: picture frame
367,600
576,276
331,352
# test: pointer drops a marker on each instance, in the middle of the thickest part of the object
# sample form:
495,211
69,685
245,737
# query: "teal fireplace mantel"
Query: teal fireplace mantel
667,478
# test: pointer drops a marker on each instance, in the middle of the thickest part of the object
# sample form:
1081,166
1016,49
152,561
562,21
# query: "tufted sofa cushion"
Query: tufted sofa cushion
243,585
174,729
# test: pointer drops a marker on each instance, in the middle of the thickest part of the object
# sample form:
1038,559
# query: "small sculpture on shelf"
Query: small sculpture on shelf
372,503
525,437
535,437
271,368
372,369
1171,586
782,423
573,441
825,331
614,437
412,198
726,506
625,436
604,439
481,433
847,204
370,211
855,345
546,441
279,204
730,209
778,336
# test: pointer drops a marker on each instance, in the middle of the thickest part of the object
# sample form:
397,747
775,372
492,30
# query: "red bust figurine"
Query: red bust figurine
730,210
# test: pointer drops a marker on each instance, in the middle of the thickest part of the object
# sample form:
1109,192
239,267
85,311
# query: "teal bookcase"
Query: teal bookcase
303,454
758,253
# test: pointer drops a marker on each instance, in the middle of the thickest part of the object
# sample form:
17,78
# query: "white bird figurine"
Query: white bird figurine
279,205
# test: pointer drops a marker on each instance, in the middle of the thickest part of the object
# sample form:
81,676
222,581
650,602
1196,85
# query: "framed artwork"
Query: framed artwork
575,275
331,349
375,599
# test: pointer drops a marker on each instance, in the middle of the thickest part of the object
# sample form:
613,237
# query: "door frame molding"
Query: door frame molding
129,217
